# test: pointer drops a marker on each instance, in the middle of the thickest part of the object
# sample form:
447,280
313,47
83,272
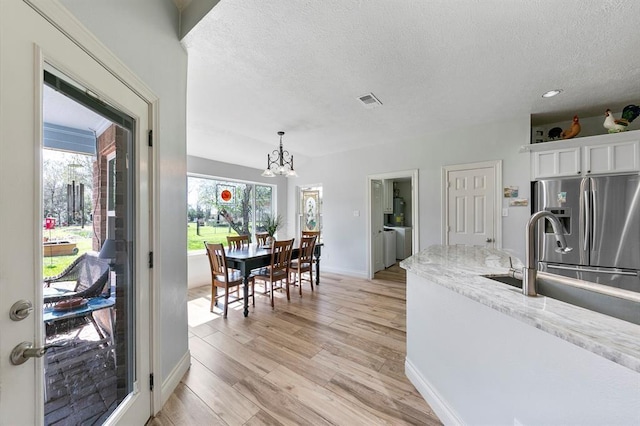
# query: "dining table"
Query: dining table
255,256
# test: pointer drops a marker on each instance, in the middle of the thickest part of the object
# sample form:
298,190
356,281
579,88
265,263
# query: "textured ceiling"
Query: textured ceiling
257,67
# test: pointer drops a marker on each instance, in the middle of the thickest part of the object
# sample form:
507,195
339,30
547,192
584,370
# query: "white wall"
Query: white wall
143,34
198,264
193,13
344,180
198,269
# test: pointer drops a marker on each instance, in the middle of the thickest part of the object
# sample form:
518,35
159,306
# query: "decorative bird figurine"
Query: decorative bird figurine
629,113
572,131
555,133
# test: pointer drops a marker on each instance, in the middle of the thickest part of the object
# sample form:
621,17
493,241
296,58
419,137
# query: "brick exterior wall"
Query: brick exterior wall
106,147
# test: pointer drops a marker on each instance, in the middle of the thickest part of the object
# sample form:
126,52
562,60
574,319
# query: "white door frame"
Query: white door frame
67,24
496,165
415,211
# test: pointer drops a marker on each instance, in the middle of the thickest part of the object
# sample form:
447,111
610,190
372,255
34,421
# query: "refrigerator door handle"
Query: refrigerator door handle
587,221
594,219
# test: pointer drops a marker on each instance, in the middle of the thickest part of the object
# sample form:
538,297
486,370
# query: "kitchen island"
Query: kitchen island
480,352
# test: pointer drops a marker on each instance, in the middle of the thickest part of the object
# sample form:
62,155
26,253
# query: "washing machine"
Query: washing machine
389,250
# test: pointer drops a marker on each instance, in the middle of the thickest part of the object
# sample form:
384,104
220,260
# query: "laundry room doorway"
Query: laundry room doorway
398,217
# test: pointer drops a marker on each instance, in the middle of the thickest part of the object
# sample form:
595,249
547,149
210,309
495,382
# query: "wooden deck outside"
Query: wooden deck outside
80,379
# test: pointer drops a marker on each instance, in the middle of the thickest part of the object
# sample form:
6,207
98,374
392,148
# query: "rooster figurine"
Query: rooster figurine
555,133
629,113
572,131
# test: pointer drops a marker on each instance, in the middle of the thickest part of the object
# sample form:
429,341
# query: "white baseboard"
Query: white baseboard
446,414
173,379
347,272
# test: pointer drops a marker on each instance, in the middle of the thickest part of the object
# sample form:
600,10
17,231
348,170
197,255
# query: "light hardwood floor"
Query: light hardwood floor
335,356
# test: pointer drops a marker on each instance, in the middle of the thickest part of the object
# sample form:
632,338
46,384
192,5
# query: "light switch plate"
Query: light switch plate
356,213
505,212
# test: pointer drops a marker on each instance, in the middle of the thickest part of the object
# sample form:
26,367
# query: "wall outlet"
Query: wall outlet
356,213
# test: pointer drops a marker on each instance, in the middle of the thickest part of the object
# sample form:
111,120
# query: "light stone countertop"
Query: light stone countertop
460,269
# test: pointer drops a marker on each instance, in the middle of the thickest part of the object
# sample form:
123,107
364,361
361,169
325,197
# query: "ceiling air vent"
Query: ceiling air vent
369,100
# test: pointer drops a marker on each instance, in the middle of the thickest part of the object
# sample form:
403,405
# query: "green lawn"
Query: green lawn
82,237
210,234
53,265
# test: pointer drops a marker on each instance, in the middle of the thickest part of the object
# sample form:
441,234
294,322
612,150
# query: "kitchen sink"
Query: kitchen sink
506,279
615,302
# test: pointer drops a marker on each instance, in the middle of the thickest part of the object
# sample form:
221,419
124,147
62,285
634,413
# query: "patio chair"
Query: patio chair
90,275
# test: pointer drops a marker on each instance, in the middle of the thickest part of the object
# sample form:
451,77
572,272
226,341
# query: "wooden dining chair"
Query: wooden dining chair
304,262
261,238
224,277
311,234
237,242
279,268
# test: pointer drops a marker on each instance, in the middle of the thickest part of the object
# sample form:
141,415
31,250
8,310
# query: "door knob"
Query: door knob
489,240
20,310
25,350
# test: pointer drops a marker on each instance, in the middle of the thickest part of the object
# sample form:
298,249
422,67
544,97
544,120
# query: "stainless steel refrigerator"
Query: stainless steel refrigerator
601,220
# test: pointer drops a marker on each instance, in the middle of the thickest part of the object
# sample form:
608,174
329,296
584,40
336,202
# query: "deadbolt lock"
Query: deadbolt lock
20,310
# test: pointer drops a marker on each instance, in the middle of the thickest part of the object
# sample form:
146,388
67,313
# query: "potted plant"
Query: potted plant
271,225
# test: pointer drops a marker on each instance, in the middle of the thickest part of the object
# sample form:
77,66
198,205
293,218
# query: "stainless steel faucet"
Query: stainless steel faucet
530,270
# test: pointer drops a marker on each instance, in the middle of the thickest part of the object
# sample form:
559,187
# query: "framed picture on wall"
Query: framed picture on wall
310,210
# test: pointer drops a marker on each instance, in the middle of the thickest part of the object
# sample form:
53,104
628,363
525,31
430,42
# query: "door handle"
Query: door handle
25,350
489,240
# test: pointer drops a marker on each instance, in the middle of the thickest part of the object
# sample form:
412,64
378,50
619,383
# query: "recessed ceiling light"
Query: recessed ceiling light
551,93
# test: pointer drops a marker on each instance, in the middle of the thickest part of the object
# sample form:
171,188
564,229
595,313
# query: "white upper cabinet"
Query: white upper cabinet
556,163
603,154
387,196
613,158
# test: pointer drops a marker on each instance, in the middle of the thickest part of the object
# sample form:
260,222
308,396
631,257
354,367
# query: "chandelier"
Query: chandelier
282,163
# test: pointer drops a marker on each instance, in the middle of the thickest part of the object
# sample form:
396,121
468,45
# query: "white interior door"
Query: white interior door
27,41
377,221
471,206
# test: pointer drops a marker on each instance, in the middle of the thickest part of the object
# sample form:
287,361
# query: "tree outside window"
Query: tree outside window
218,208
